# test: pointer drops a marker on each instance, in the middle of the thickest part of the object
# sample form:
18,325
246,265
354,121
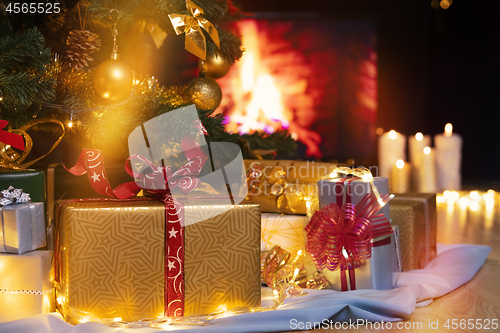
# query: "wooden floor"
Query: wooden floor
480,297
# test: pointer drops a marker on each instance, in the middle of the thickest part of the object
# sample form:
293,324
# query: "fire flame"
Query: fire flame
263,87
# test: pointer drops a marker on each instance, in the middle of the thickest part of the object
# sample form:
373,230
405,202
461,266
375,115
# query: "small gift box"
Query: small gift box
117,250
32,182
415,214
350,238
22,226
286,187
287,231
25,285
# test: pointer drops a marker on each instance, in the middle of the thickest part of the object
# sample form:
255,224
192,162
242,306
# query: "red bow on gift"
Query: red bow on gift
340,237
158,180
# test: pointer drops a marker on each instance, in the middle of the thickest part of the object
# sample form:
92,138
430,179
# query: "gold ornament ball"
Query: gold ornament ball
113,80
205,92
214,66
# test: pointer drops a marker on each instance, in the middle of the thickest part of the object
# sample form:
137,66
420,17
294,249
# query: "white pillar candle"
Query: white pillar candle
427,172
448,160
391,148
400,177
416,145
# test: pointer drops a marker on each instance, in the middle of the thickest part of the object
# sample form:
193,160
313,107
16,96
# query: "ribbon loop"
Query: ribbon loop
9,138
340,237
11,159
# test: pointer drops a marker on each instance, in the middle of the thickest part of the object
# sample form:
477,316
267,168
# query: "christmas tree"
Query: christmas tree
55,63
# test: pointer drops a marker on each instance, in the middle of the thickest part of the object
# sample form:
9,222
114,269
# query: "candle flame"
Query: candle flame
393,134
419,136
400,164
427,150
448,129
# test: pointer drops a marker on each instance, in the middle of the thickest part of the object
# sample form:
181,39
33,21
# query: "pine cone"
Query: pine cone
81,43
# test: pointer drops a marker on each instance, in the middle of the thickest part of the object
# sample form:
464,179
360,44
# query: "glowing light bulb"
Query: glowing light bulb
70,124
454,195
419,136
474,195
393,134
446,194
400,164
1,98
491,192
427,150
474,205
448,130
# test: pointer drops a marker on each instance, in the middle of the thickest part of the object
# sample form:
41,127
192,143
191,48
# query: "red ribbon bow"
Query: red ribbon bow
15,140
158,181
341,237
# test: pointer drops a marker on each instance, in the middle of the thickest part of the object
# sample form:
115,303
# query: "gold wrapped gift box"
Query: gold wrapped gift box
416,216
286,186
112,258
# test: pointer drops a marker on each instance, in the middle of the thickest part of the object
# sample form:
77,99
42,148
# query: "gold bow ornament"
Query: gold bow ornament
192,25
280,189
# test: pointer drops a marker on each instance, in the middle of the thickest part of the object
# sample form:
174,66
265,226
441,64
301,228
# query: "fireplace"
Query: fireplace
317,78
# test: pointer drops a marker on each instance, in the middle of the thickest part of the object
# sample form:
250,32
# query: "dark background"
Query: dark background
435,66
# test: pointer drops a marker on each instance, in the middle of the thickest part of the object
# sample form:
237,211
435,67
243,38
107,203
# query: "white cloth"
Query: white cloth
454,266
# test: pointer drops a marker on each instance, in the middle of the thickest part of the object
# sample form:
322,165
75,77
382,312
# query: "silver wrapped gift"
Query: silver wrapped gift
338,190
376,273
22,227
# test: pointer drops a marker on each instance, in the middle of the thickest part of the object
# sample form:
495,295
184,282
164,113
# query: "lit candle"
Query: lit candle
448,159
427,172
391,147
400,177
416,145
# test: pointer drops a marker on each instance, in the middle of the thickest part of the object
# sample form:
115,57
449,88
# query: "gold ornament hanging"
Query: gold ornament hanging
113,79
205,93
214,66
